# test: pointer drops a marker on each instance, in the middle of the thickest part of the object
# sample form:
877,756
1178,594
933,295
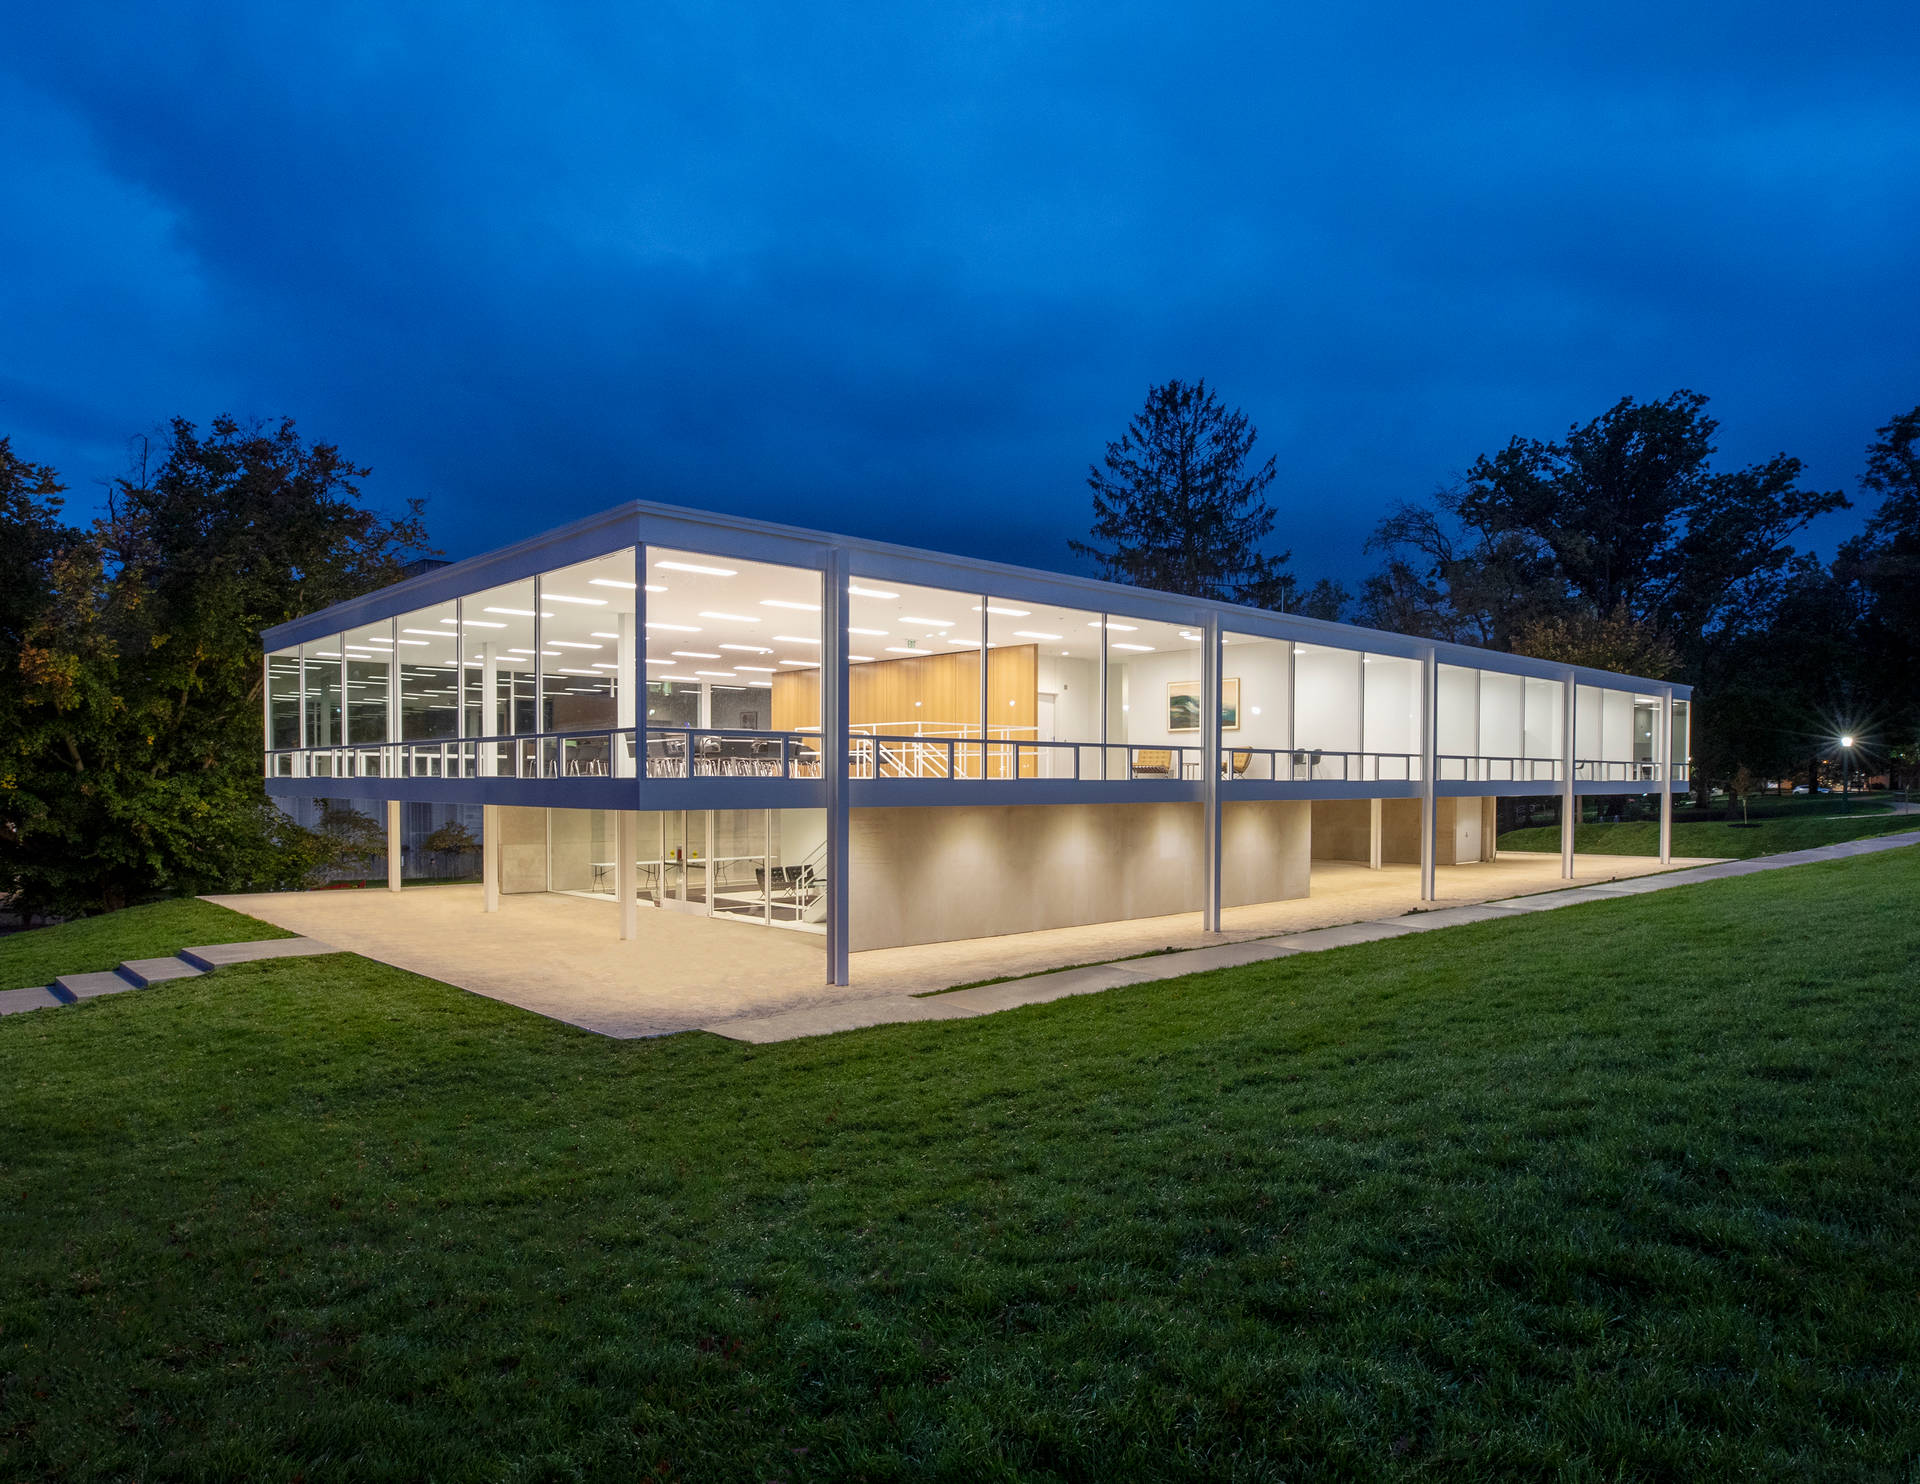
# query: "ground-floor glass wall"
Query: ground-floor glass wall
756,865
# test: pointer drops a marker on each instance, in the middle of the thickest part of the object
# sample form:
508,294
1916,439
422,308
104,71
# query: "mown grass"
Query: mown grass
1714,838
1626,1190
89,944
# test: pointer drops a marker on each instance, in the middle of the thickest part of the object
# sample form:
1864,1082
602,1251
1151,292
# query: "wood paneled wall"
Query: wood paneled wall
947,687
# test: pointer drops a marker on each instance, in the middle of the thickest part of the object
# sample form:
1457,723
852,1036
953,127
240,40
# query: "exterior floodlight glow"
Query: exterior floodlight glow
1846,741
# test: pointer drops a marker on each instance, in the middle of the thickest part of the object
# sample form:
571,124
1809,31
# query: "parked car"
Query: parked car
1800,788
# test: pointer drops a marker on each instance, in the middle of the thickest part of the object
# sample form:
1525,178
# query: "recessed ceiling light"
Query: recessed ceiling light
761,684
547,597
902,649
573,644
1125,628
1005,612
609,582
327,654
517,612
861,659
598,635
932,623
1141,648
676,628
660,662
696,567
422,643
801,664
870,633
730,617
481,623
605,665
587,673
762,669
793,639
695,654
430,633
784,603
655,587
1032,634
869,592
717,674
747,648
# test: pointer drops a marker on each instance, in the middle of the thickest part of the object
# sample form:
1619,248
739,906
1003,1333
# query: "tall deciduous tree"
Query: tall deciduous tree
133,765
1885,560
1180,505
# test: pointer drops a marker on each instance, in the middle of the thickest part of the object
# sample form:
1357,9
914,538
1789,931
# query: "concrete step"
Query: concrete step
33,997
219,954
75,987
144,971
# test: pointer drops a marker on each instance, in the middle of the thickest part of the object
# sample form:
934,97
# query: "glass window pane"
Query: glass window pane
1154,706
1326,698
500,660
321,662
283,698
369,653
429,660
1043,683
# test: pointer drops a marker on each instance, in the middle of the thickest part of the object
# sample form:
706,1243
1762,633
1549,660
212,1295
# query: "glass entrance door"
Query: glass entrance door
684,856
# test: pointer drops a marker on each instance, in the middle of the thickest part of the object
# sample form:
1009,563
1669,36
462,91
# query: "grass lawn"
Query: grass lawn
1625,1190
88,944
1714,838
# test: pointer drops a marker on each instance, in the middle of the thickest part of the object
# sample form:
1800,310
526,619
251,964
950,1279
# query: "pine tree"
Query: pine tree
1177,508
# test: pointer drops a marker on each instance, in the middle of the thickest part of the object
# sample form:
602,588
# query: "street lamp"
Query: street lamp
1846,774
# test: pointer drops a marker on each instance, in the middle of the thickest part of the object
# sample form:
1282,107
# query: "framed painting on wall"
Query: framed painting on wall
1183,705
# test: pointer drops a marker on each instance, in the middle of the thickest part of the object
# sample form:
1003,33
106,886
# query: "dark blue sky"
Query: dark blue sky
902,270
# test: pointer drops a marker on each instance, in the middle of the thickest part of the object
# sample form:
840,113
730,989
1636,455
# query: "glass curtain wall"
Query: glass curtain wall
1390,720
1682,741
1544,742
499,656
320,664
913,685
1256,704
427,659
587,652
1043,688
1327,711
732,649
369,652
1154,702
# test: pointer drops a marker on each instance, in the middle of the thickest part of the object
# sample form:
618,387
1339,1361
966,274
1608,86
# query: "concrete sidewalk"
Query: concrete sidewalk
1038,989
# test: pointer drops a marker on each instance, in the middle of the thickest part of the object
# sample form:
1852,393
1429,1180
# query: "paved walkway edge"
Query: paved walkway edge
959,1004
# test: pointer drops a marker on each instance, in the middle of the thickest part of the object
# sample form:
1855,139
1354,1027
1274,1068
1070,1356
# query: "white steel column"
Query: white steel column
635,673
1429,810
833,756
490,856
985,629
393,845
1375,830
391,767
1210,699
1103,695
1569,802
626,855
1663,770
623,707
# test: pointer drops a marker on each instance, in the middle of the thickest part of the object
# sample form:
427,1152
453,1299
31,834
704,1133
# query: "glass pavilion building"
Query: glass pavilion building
689,712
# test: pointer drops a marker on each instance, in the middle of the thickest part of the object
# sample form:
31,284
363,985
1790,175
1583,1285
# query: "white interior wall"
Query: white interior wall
1392,704
1458,728
1503,708
1266,700
1545,717
1075,688
1586,721
1326,698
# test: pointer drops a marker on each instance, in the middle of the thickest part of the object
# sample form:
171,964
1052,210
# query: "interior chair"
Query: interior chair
1151,762
1242,760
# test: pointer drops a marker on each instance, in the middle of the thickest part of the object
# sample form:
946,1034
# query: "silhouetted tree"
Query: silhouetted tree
132,767
1179,506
